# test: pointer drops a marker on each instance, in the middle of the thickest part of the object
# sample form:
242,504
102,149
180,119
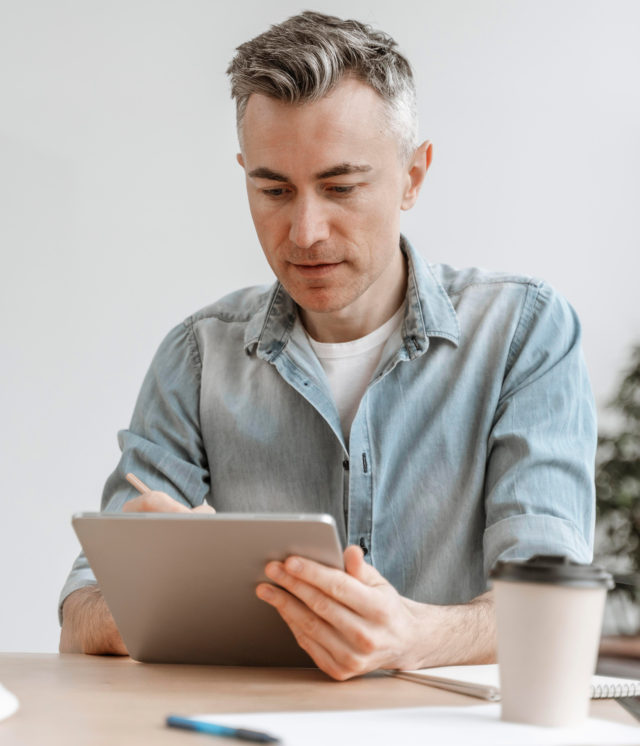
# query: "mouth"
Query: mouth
316,270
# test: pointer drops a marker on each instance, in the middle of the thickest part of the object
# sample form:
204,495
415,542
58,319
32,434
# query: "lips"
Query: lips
313,264
316,270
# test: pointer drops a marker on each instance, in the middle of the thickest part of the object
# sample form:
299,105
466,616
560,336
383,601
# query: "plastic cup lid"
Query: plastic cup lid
554,570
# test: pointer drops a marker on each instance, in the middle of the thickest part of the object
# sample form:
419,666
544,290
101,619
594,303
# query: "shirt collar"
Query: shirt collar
270,328
429,309
429,313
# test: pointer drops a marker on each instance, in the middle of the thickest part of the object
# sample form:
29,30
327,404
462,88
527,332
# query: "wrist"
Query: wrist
451,635
88,626
424,632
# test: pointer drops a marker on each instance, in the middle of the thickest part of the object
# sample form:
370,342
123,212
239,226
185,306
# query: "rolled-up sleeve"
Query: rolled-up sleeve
163,445
539,486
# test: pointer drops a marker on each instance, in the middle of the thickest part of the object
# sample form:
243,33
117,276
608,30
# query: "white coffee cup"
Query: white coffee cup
549,618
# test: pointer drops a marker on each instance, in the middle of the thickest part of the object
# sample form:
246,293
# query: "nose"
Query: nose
309,221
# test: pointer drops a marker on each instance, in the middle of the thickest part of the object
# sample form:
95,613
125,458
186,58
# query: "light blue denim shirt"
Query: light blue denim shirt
474,441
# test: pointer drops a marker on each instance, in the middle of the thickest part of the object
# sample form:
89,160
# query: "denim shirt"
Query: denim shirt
474,441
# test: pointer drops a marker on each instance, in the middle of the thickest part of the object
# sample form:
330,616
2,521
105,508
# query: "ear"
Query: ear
240,159
418,167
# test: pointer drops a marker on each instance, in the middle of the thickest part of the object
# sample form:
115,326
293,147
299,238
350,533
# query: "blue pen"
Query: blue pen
175,721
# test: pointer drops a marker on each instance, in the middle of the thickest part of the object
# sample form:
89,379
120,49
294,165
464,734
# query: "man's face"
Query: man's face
326,186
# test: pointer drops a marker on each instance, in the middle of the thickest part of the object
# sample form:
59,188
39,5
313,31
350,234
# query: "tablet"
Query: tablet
181,587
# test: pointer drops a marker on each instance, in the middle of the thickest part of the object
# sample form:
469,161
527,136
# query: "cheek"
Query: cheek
382,204
255,212
379,220
270,224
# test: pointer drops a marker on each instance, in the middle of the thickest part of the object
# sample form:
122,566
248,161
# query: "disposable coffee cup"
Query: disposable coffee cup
549,618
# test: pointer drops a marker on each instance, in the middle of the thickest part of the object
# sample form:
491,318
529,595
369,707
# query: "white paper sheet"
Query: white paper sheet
436,726
8,703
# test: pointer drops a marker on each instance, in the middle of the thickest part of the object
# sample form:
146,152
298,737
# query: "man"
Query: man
444,418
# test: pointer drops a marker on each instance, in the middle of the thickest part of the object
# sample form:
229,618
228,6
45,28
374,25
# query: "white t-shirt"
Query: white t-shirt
350,365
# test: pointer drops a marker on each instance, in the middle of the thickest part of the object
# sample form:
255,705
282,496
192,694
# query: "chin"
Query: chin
327,299
321,302
318,307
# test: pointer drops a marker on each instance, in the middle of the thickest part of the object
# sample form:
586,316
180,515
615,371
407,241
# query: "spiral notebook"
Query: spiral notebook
484,682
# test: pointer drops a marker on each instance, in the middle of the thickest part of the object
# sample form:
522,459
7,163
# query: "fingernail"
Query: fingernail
294,564
265,592
274,571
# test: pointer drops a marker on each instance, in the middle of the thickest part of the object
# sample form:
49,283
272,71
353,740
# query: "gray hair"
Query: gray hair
305,57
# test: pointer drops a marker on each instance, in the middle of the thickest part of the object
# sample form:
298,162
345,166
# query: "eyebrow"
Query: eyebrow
341,169
344,169
266,173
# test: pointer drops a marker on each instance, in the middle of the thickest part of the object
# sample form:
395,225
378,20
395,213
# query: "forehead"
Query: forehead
349,124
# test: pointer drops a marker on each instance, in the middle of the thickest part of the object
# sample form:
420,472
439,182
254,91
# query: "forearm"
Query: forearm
87,625
461,634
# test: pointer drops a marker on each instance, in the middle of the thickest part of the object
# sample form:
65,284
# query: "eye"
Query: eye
275,192
341,188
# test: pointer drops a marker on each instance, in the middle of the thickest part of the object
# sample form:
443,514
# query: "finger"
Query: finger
354,628
324,643
336,584
204,508
154,502
355,565
321,656
293,611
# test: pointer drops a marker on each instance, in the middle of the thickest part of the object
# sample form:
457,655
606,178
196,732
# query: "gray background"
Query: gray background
122,209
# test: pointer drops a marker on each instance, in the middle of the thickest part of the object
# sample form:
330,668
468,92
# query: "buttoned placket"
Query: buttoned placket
358,464
307,377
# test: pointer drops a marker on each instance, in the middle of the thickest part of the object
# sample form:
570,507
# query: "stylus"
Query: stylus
175,721
143,490
137,483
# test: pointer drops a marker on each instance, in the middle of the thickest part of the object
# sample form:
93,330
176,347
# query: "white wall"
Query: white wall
122,209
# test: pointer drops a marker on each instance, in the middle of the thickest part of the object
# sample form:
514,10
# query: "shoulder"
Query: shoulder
525,311
239,306
531,299
458,281
182,345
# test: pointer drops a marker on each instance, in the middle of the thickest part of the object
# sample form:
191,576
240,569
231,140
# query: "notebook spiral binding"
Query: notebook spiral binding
613,691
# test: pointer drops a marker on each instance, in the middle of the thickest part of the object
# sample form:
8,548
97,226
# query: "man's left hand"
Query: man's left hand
350,622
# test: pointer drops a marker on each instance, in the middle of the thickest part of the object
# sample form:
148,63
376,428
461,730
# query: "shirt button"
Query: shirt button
345,464
363,546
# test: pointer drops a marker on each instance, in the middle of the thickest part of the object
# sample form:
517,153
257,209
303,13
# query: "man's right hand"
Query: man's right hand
160,502
87,624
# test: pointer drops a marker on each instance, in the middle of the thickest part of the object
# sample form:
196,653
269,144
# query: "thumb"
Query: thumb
204,508
355,566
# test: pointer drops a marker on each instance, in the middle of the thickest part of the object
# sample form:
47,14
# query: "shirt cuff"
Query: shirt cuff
80,578
522,536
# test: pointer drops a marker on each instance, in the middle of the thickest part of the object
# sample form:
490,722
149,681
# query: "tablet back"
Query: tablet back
181,587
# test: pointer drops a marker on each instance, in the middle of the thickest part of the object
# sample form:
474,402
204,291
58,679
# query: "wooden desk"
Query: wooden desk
96,701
